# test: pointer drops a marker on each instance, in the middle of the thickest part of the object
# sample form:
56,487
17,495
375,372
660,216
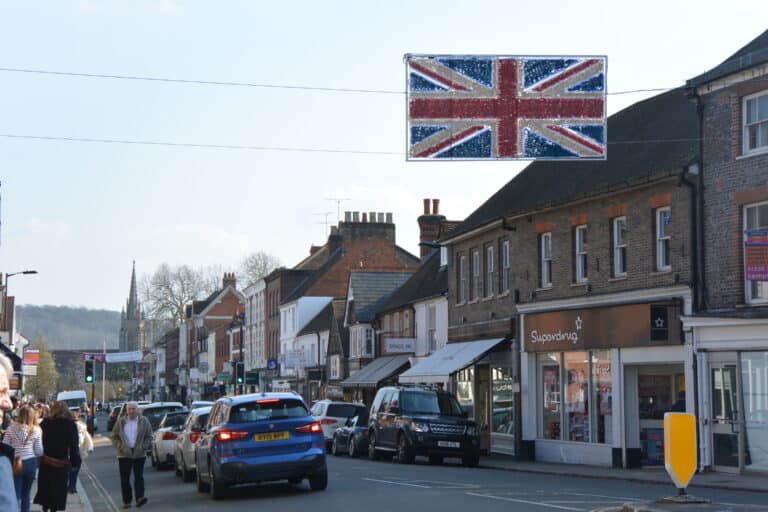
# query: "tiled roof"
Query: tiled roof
320,322
312,277
371,289
753,54
648,140
429,281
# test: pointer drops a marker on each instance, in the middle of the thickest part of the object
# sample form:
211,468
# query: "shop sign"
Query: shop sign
633,325
400,345
29,370
14,382
334,392
756,255
31,357
295,358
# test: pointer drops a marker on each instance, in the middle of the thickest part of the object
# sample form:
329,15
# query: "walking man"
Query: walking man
132,436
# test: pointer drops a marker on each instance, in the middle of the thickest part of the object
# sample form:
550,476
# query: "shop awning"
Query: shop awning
377,370
453,357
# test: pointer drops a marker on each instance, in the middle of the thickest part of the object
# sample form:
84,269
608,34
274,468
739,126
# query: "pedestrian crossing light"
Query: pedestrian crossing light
239,372
89,371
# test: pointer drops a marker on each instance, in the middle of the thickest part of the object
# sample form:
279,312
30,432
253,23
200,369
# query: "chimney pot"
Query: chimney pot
381,217
435,207
347,216
389,217
355,216
365,217
426,206
372,217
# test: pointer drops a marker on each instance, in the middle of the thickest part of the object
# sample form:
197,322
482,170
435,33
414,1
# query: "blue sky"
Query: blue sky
80,212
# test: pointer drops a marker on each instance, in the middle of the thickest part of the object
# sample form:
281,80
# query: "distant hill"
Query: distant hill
69,328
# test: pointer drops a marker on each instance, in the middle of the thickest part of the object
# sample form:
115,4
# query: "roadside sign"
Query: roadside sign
680,447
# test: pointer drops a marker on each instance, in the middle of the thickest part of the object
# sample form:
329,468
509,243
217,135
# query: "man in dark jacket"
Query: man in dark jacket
132,436
8,499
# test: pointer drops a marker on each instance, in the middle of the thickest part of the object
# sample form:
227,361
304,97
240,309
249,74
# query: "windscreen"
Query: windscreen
265,410
424,402
343,410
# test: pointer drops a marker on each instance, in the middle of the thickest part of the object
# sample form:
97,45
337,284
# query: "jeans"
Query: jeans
126,466
73,479
23,482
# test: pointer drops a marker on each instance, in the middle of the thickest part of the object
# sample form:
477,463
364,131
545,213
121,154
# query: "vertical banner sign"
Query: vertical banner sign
464,107
756,255
680,447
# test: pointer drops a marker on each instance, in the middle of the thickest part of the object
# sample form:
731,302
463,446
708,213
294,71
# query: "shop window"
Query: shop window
756,123
755,219
619,247
465,390
602,397
549,405
663,219
503,396
754,378
577,396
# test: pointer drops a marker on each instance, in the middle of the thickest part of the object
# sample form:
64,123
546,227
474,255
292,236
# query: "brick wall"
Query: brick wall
731,180
491,315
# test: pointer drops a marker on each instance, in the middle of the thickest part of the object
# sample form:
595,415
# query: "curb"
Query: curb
619,477
83,497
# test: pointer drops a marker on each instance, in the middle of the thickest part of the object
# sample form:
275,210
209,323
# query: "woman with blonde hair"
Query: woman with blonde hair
26,438
61,453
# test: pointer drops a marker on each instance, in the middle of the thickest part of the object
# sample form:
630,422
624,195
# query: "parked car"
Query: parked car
184,450
113,415
260,438
352,438
200,403
332,415
156,411
407,422
164,439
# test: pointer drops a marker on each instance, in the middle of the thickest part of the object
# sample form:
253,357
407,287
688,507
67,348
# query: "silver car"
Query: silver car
184,451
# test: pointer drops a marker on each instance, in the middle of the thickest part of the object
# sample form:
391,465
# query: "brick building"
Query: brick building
730,330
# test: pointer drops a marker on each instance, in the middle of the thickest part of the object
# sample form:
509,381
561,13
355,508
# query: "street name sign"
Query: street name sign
680,447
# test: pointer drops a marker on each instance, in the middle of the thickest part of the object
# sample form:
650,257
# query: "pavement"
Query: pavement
654,475
77,502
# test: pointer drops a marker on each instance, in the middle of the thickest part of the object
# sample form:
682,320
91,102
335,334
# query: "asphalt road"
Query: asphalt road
360,484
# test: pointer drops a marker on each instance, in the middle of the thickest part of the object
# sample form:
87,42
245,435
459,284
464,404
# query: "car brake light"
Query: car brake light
328,421
311,428
267,400
169,436
224,436
193,437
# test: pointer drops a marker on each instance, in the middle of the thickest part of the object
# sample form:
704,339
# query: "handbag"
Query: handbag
18,464
53,462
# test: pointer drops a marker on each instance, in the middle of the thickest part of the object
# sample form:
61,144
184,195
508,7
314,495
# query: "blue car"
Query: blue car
257,438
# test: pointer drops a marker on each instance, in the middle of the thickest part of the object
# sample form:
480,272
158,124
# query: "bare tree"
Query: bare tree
169,289
257,265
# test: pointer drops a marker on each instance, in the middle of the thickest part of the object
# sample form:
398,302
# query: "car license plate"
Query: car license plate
271,436
449,444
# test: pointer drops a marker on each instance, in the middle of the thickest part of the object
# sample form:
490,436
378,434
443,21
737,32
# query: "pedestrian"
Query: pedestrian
8,501
26,438
60,453
132,436
85,442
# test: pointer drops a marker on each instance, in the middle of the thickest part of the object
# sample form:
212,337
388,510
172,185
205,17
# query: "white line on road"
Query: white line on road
396,483
101,490
528,502
568,493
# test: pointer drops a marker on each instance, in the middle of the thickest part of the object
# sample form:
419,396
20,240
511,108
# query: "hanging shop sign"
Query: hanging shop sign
633,325
501,107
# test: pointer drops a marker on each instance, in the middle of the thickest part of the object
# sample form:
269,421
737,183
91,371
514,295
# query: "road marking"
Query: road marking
568,493
397,483
101,490
527,502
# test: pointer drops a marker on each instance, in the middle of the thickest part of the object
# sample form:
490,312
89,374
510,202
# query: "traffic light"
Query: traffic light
239,372
88,371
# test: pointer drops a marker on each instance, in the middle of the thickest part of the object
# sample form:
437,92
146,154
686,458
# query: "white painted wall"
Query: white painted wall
422,324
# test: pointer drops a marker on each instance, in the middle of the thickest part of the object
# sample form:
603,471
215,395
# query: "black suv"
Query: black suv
408,421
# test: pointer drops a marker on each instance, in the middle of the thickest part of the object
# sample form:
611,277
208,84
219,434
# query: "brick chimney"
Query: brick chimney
429,226
229,280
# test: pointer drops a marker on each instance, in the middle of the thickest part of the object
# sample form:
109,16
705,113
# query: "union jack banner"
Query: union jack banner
506,107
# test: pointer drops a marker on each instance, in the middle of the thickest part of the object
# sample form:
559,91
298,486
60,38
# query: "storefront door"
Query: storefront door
725,416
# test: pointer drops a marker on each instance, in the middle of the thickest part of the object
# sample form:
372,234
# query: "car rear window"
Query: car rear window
267,409
174,420
343,410
156,414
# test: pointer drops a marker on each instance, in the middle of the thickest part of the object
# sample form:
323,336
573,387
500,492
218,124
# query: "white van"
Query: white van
73,399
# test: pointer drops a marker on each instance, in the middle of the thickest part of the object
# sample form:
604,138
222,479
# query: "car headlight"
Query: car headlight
420,427
471,430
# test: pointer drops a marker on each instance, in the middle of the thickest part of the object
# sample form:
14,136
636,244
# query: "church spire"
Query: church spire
133,299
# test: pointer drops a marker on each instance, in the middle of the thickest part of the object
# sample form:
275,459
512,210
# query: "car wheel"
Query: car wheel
201,486
435,460
327,446
319,480
372,453
470,461
335,447
219,490
405,453
352,449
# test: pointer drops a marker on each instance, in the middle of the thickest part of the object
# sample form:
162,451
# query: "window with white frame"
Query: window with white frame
663,220
396,323
619,230
461,281
505,266
756,122
443,256
545,263
580,253
368,342
335,366
476,283
755,219
432,327
406,323
490,271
